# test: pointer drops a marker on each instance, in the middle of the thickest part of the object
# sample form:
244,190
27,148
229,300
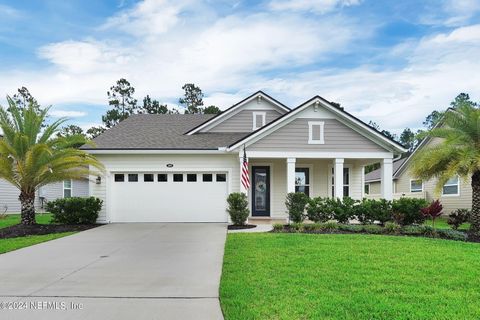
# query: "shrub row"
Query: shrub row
75,210
390,228
404,211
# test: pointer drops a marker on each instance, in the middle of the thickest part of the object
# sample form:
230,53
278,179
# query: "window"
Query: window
177,177
132,177
302,180
450,188
315,132
346,182
221,177
207,177
67,188
258,120
367,189
119,177
162,177
191,177
416,185
148,177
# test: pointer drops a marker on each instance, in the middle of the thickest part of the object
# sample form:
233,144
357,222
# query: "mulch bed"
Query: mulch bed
246,226
19,230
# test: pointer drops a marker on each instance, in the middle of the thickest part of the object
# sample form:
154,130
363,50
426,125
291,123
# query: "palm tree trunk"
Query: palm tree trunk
27,201
475,217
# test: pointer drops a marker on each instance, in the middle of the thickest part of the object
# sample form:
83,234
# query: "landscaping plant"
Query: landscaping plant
33,155
433,211
458,153
406,211
318,210
295,203
457,217
238,208
75,210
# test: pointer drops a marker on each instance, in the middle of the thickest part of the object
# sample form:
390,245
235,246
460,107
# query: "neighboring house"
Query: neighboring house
70,188
456,193
180,168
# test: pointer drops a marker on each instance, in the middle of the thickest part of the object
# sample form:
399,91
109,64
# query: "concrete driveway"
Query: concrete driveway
118,271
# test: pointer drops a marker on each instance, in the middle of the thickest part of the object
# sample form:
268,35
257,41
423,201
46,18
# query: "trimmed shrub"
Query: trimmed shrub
413,230
278,227
457,217
391,228
363,212
319,210
376,210
342,211
407,211
452,234
75,210
238,208
313,227
372,228
350,228
295,203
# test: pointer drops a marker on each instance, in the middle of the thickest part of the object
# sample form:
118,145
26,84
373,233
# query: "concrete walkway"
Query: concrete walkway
118,271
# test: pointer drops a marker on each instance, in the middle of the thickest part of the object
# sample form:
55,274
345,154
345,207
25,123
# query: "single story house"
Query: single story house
181,167
455,194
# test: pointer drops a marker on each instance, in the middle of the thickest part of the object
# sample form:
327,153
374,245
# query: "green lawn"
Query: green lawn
13,219
11,244
441,223
302,276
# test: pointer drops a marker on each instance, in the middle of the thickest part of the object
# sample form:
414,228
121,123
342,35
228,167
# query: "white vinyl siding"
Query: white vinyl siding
245,120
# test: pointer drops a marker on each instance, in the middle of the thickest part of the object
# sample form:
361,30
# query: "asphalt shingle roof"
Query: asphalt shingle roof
377,174
162,131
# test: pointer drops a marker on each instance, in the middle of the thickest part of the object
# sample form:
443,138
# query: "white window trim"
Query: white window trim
71,188
310,132
331,175
258,113
310,175
452,194
411,186
365,187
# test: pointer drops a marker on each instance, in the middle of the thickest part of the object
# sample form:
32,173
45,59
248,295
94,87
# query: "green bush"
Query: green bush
313,227
452,234
296,227
363,212
407,211
351,227
372,228
391,228
330,226
457,217
342,211
75,210
377,210
295,203
319,210
428,231
278,227
238,208
413,230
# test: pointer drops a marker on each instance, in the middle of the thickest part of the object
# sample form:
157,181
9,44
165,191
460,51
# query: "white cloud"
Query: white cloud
67,113
318,6
9,12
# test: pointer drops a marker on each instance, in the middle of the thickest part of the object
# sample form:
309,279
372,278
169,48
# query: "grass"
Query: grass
302,276
441,223
13,219
11,244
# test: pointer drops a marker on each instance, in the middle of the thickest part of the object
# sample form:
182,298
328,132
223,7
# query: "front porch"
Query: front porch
271,178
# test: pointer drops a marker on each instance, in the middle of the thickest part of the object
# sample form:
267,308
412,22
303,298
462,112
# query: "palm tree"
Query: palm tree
457,153
32,155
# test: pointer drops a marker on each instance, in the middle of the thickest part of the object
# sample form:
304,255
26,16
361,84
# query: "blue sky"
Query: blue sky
387,61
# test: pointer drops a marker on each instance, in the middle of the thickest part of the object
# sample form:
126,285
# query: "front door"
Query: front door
260,191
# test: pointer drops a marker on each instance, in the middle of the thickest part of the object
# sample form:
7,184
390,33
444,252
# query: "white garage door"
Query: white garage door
169,197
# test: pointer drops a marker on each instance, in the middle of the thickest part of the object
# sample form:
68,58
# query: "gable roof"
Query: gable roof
236,106
325,103
376,175
161,132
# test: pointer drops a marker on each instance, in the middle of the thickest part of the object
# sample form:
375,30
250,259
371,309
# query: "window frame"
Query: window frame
417,191
331,180
118,174
132,174
176,175
71,188
263,114
221,174
192,175
321,139
206,174
162,174
448,185
308,177
151,174
366,188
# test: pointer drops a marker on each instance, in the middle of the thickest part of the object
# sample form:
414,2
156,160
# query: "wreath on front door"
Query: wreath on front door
261,186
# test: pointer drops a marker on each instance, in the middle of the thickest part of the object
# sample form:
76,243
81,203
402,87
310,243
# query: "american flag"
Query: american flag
245,174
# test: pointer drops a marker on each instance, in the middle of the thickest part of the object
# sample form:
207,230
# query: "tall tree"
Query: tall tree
94,132
432,119
70,130
385,132
23,98
457,154
408,139
192,100
462,99
211,110
120,97
153,106
32,155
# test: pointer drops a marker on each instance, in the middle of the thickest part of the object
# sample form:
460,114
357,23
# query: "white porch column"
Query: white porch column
362,171
387,179
338,179
291,174
242,188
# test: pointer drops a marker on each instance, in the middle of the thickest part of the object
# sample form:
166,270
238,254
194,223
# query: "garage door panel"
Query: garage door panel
169,201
